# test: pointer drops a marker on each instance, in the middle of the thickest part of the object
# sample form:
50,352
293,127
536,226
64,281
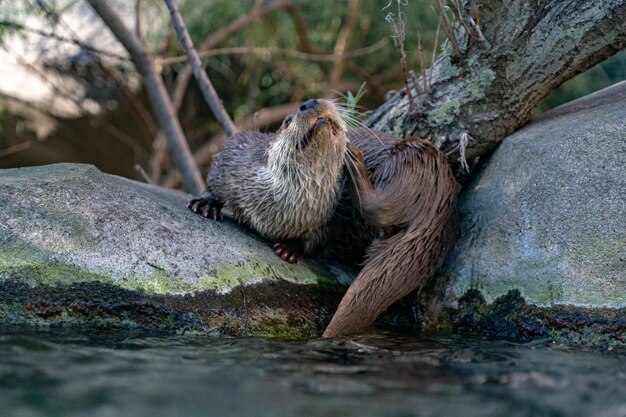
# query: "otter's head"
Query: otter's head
315,131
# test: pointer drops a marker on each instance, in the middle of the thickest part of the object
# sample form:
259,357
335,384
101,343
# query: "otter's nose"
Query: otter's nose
309,104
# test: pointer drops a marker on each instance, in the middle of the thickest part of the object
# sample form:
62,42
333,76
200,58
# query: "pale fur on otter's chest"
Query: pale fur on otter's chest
300,200
276,189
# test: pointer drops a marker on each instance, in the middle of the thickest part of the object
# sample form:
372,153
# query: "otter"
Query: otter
287,185
318,185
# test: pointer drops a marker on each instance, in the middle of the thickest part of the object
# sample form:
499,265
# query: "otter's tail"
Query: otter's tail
405,261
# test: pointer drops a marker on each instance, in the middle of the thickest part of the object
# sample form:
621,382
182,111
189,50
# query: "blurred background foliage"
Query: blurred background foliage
113,127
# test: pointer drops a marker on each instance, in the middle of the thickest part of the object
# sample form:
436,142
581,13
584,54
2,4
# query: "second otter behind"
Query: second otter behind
288,187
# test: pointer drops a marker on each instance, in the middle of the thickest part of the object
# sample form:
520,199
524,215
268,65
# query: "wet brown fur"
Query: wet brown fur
400,196
407,190
286,186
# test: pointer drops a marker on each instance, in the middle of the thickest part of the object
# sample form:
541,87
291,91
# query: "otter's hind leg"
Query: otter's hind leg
207,206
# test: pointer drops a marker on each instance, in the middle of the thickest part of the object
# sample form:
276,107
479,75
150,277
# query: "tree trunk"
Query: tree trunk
492,88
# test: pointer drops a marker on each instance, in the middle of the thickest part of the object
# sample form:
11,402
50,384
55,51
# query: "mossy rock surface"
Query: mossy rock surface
80,247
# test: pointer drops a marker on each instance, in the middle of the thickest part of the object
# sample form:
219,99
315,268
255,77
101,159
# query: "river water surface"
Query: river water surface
63,373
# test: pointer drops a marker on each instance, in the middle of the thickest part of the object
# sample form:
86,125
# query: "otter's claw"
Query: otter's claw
208,207
288,251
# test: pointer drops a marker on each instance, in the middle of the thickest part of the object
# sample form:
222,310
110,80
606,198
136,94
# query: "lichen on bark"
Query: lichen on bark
530,48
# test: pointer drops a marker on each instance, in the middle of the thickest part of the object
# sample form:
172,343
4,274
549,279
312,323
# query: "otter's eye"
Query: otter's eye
287,121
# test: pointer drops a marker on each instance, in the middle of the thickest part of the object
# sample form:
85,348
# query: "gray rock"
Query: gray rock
66,225
546,215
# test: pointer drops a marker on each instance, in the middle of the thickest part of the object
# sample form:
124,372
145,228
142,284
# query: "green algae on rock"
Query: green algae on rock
79,247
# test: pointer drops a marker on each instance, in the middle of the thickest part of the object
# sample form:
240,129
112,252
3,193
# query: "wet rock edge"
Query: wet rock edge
272,309
511,317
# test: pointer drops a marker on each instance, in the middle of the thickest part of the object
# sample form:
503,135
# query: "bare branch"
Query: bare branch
69,94
159,151
496,90
473,29
142,173
342,40
51,35
434,55
138,18
157,93
184,76
447,26
219,36
399,36
263,51
420,48
208,91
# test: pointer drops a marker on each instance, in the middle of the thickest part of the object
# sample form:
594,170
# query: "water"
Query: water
62,373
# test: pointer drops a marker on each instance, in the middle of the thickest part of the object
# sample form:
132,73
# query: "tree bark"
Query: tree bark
522,50
158,96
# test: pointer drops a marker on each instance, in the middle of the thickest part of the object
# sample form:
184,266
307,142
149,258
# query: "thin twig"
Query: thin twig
434,55
180,86
473,29
159,151
114,74
142,173
138,18
52,35
456,11
342,40
135,102
456,52
94,119
398,42
217,37
208,91
263,51
476,12
415,81
477,33
420,48
115,132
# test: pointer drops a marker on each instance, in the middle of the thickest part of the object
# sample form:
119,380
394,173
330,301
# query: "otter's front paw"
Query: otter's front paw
207,206
290,251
